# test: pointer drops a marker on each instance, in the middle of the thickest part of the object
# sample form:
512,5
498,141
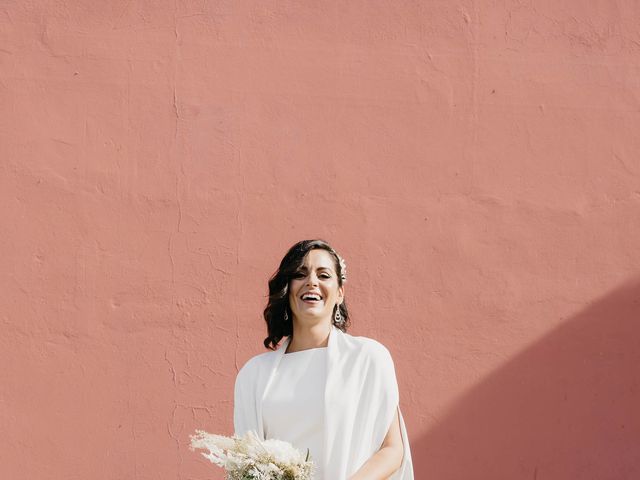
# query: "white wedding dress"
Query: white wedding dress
361,398
293,407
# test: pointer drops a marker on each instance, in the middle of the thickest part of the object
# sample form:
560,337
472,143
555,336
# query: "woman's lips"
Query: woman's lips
312,302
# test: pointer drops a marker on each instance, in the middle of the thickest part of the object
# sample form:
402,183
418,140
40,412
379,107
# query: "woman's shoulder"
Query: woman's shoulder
372,347
256,362
258,359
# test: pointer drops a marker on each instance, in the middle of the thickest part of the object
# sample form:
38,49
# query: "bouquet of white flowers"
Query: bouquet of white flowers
250,458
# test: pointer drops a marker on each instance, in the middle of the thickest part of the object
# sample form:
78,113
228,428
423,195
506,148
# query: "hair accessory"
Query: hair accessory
343,268
338,317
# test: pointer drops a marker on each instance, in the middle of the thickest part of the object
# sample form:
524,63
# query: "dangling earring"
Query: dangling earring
286,316
338,317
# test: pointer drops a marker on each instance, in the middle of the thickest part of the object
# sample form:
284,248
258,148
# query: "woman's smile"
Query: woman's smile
311,298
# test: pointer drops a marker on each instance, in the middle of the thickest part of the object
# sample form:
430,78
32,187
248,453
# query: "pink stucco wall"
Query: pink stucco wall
475,162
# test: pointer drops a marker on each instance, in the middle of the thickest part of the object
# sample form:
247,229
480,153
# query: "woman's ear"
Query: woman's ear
340,294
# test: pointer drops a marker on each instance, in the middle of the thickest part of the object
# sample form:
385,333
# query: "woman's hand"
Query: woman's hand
386,460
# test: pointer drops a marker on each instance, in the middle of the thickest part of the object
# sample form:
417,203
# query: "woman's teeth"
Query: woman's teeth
311,298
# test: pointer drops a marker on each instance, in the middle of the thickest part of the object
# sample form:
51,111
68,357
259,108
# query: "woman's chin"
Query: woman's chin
312,315
312,309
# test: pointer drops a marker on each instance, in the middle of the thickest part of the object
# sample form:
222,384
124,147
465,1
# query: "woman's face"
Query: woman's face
317,275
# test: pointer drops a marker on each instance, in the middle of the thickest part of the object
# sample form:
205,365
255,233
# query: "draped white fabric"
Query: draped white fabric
293,406
361,398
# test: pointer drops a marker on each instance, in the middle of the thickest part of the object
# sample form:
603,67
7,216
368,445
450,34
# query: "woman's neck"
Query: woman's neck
309,336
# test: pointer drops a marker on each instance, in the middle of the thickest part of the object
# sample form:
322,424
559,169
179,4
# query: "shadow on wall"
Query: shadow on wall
566,408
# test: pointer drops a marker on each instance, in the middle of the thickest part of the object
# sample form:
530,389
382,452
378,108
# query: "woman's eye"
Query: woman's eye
301,274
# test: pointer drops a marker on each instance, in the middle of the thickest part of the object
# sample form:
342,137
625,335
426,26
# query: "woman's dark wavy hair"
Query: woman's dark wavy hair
279,292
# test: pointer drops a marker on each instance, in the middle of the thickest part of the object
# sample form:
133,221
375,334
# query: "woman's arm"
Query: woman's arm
386,460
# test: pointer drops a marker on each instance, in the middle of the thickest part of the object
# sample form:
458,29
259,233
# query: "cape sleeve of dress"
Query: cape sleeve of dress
386,385
362,398
244,399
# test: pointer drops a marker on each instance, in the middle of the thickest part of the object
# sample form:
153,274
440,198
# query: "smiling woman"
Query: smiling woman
323,389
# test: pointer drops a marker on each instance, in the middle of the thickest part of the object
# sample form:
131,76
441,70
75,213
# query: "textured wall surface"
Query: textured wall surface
475,162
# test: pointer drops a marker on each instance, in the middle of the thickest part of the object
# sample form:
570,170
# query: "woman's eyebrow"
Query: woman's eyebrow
319,268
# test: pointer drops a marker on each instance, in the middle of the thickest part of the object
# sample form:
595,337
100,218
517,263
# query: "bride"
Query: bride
323,389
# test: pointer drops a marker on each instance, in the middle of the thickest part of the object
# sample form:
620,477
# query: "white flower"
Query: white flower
283,452
262,459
